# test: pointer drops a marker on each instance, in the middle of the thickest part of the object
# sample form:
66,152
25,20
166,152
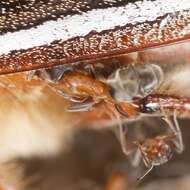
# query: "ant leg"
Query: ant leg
122,137
80,107
56,73
179,144
120,110
91,70
136,159
67,96
170,123
72,98
147,172
30,75
45,75
42,73
122,132
174,126
145,158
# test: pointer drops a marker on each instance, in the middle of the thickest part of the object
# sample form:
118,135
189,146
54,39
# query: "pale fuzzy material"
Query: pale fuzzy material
177,81
34,124
94,20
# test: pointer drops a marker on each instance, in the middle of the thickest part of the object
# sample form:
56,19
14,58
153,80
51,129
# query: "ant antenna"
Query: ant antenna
147,172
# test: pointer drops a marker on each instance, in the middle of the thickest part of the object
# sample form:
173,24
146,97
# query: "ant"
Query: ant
83,90
159,150
86,92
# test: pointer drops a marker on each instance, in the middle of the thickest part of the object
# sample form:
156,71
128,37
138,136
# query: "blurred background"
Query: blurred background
95,161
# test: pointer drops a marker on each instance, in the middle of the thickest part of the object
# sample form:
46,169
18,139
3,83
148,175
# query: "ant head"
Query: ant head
156,151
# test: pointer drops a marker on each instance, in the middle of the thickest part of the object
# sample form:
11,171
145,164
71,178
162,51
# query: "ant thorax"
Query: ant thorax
156,151
135,81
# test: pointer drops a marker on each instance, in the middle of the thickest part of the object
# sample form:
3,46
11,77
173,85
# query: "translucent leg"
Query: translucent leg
174,126
30,75
147,172
122,130
72,98
179,142
136,159
122,136
80,107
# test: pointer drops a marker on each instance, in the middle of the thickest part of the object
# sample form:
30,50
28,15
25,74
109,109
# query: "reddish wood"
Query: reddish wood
93,46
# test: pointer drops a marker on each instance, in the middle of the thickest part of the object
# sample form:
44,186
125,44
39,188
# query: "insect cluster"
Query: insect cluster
123,90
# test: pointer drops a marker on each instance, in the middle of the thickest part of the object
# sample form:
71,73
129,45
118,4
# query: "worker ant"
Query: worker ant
84,91
158,150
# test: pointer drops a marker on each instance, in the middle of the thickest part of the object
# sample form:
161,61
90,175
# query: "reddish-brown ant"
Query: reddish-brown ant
84,90
159,150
